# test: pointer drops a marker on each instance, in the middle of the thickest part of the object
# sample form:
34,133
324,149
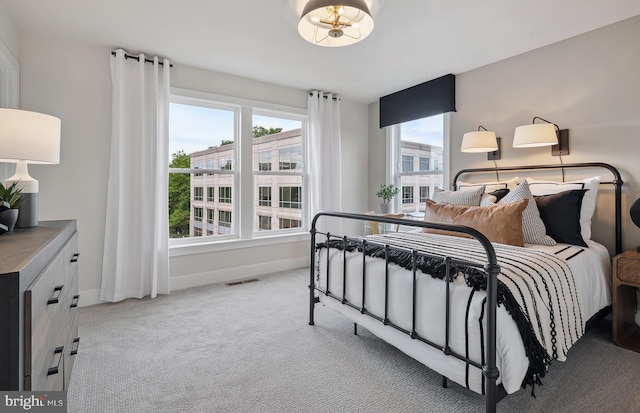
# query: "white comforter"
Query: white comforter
589,270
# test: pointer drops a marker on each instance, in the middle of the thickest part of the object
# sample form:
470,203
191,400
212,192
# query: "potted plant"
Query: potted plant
386,193
10,194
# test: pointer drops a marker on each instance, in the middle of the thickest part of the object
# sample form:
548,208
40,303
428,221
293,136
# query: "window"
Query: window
224,222
290,158
211,213
281,137
224,194
197,193
407,195
264,160
423,139
264,223
424,193
290,197
424,163
204,135
407,163
264,196
289,223
225,164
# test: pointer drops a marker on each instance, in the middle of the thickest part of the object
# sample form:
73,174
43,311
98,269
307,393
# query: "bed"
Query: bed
489,316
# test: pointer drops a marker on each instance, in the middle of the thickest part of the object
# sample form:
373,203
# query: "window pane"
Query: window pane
277,146
199,138
422,139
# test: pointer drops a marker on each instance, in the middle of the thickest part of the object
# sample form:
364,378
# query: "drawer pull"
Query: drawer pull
74,302
75,257
57,352
57,292
76,344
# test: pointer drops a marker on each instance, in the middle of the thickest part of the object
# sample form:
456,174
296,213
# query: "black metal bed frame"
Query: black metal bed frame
491,269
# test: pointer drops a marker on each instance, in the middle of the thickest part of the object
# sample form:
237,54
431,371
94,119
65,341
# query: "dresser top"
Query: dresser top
19,247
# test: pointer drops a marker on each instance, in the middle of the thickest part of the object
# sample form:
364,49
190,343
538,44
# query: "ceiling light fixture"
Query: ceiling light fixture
335,23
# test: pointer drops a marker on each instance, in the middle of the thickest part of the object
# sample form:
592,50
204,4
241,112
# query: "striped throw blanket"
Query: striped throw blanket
536,288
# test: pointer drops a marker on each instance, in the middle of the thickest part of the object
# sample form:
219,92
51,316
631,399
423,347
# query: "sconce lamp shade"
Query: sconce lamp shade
30,137
335,23
479,141
534,135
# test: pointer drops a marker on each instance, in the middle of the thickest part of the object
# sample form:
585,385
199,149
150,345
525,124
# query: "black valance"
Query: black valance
426,99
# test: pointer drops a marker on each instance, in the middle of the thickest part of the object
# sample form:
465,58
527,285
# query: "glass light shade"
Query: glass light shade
30,137
335,23
479,141
538,134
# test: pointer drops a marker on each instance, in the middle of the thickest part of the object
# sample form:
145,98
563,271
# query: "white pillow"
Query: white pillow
533,229
488,186
470,198
541,187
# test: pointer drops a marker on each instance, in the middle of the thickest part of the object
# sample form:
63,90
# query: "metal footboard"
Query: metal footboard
490,268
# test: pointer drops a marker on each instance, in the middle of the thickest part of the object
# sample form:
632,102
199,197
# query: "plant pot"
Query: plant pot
385,207
9,218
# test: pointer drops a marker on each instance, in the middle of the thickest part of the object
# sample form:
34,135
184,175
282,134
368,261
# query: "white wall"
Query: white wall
8,32
72,80
8,53
588,84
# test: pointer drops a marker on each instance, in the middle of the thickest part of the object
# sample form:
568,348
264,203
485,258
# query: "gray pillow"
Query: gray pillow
470,197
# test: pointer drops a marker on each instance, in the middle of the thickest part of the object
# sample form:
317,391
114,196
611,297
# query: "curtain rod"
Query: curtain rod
137,58
324,95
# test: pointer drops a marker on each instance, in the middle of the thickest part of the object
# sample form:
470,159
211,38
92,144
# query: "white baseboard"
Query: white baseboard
91,297
236,273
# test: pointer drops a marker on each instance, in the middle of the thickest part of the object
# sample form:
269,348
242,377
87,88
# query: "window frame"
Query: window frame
394,160
244,230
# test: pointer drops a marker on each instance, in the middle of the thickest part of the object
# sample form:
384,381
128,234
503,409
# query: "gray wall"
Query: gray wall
72,80
589,84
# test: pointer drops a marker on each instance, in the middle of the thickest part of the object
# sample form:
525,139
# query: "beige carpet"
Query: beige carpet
248,348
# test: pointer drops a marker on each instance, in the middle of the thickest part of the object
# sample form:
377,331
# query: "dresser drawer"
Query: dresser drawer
628,270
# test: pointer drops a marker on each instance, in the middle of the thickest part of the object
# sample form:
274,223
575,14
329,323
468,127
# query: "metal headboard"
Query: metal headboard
616,182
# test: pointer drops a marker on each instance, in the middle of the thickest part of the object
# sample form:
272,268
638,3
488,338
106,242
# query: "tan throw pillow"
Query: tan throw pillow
499,223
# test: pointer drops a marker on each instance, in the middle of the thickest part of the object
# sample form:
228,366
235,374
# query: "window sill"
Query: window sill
207,246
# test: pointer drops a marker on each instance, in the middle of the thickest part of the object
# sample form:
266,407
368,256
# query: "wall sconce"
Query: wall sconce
28,137
542,134
482,141
335,23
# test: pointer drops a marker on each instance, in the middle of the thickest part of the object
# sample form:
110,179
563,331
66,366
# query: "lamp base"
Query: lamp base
28,215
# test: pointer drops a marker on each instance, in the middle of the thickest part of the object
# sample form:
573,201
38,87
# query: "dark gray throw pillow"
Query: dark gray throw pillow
561,215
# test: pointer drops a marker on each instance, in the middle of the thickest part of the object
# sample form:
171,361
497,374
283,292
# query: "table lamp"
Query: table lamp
28,137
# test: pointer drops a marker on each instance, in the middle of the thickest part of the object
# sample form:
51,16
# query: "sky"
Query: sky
427,130
195,128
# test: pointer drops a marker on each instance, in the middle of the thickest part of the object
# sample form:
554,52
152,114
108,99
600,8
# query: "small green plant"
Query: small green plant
11,194
387,192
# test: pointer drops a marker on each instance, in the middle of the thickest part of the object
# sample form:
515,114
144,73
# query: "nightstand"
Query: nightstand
626,278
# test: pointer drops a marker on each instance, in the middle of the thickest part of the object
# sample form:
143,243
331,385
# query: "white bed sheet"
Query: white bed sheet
591,269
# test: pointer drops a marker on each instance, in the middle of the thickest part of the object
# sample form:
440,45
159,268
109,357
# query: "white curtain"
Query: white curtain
136,250
325,157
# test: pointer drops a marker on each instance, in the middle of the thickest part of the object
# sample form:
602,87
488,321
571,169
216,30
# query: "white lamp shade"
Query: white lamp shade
479,141
354,24
29,136
538,134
